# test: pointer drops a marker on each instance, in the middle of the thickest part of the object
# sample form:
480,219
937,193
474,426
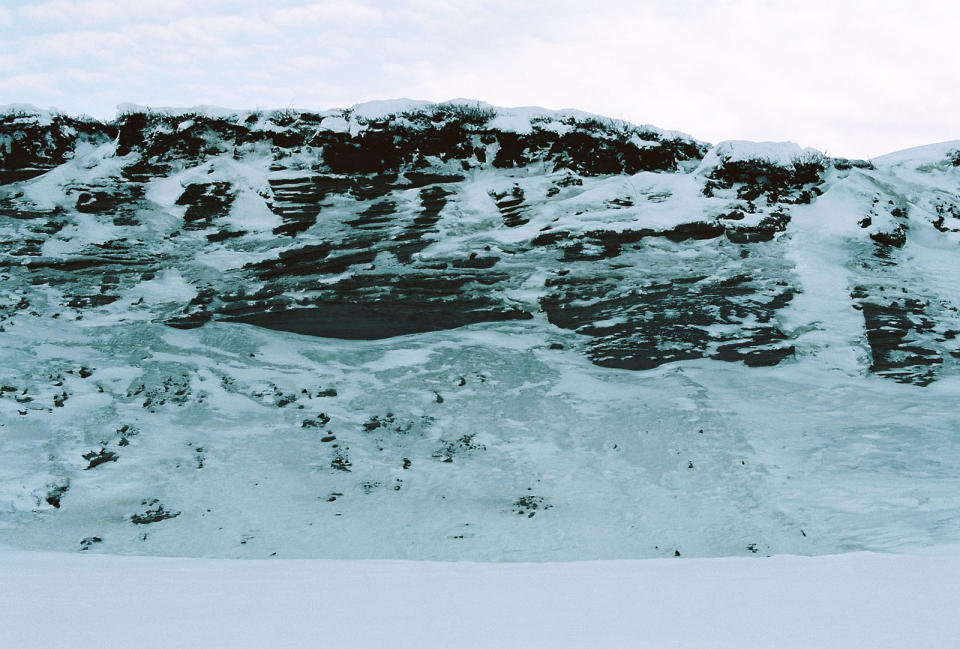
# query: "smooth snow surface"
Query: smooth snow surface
928,153
853,601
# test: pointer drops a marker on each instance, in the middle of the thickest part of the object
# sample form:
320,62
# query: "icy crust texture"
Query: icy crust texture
472,282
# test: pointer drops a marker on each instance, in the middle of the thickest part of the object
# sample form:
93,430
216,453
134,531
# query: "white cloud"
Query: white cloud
80,46
95,12
29,83
332,11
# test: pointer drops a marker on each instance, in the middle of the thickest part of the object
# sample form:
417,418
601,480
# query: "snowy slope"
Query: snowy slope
852,601
453,331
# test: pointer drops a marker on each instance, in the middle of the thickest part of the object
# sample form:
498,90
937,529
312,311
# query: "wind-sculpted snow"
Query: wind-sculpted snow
472,283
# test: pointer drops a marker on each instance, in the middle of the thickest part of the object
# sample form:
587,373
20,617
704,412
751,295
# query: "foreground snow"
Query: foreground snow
855,600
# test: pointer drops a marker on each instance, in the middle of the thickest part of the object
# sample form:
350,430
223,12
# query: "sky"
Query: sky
849,77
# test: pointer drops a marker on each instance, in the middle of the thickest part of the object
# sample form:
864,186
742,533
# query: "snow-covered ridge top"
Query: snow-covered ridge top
919,155
205,110
519,119
410,113
779,154
356,139
43,116
23,109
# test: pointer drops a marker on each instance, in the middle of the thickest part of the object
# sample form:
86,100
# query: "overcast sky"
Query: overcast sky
854,78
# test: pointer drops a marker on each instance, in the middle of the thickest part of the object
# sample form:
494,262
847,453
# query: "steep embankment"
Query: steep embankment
532,334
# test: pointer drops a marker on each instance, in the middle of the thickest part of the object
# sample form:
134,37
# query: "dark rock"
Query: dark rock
644,327
223,235
462,446
55,494
340,461
898,333
96,458
154,514
319,421
529,505
383,319
896,237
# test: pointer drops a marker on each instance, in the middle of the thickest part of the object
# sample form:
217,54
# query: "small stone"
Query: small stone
96,458
56,494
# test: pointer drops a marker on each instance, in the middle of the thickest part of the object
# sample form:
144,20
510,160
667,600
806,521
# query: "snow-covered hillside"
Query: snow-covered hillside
452,331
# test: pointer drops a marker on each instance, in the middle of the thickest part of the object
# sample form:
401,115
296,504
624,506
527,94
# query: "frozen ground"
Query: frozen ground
704,458
852,601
